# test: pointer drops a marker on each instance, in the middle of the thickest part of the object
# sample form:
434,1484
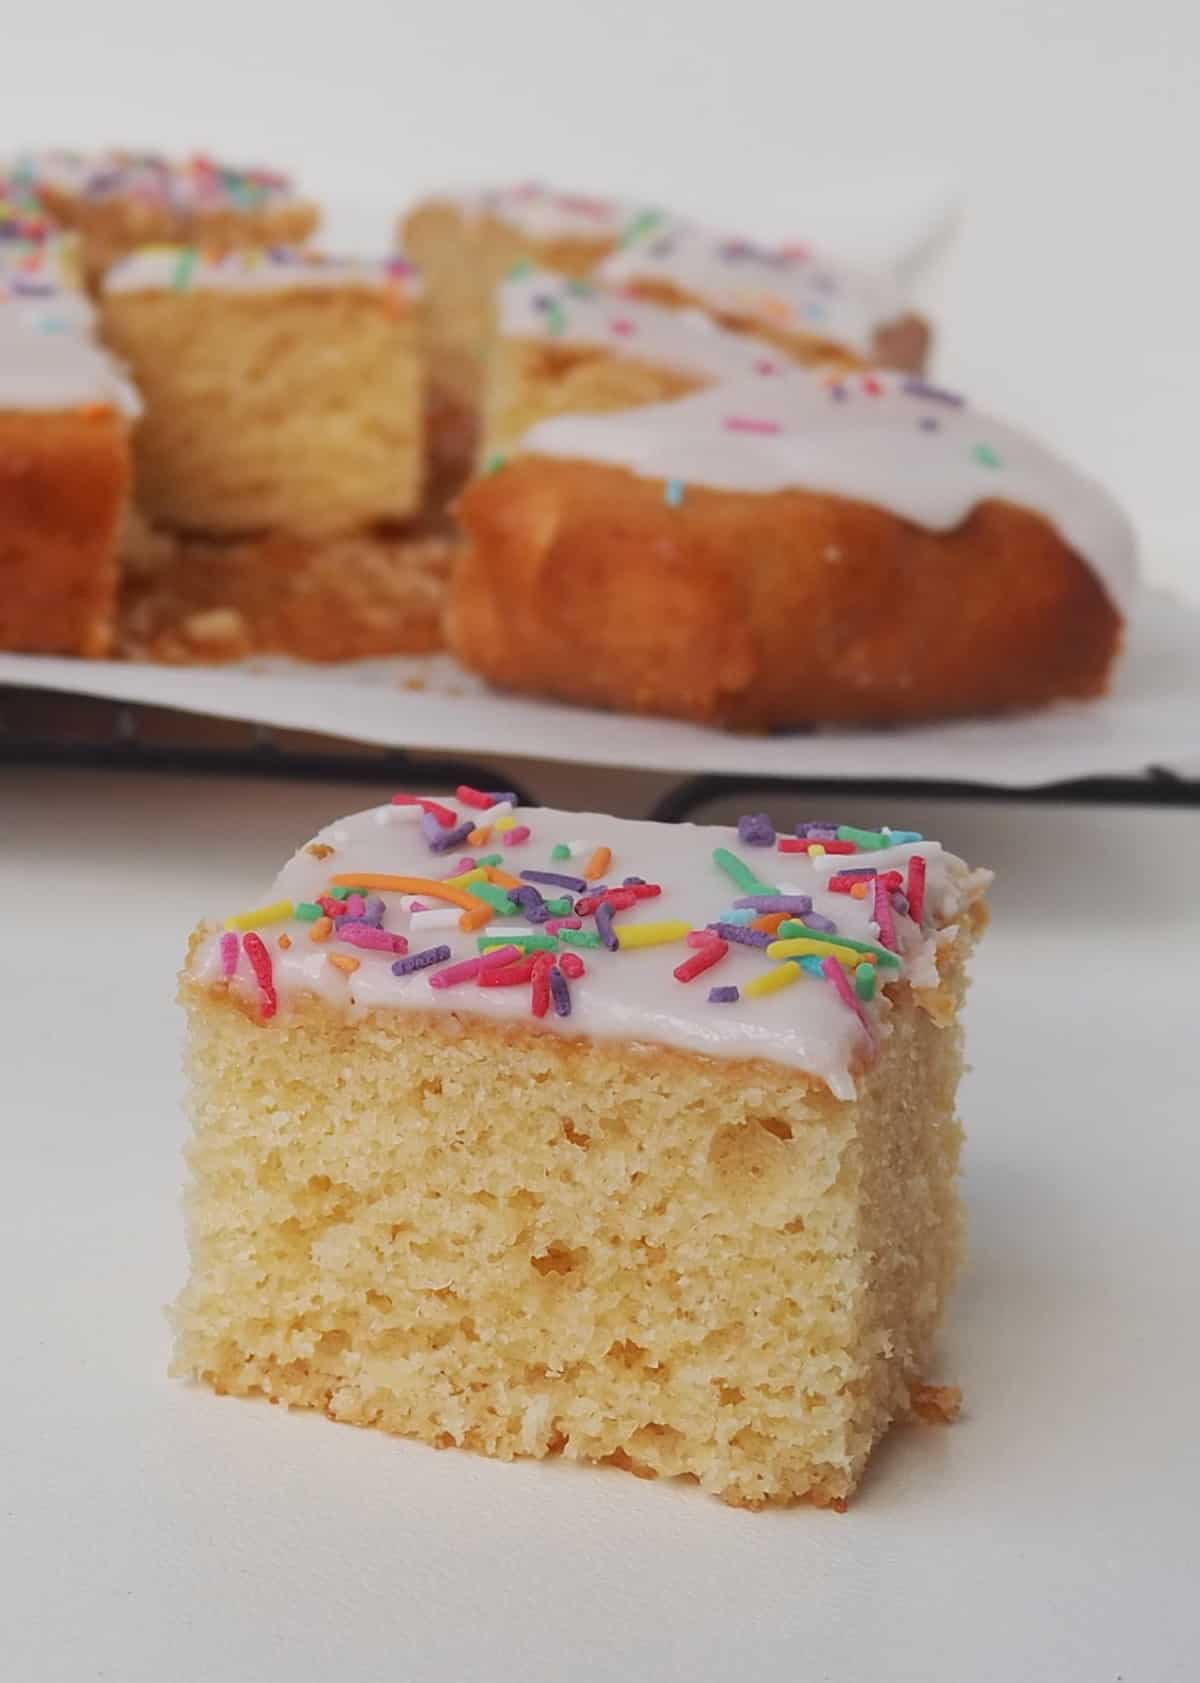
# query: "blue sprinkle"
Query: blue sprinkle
673,495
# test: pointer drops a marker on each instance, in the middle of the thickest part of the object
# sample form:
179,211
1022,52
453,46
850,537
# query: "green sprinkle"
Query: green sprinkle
580,937
790,928
527,943
581,288
185,265
741,874
496,897
642,224
864,981
985,456
307,912
494,463
556,321
344,893
868,840
561,907
560,851
488,859
520,269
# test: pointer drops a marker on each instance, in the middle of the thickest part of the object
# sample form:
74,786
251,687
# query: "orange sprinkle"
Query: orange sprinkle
285,942
93,411
321,929
475,912
597,864
769,922
858,891
343,961
479,836
502,879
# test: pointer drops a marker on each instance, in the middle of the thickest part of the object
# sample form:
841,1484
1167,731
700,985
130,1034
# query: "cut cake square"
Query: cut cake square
669,1184
282,388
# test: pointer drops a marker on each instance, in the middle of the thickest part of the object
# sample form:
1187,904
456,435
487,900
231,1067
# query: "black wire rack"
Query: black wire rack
39,727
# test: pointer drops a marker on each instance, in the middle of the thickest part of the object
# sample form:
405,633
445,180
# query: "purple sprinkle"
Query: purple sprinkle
230,947
430,828
560,993
530,902
420,961
797,904
553,879
373,910
633,882
604,926
739,932
818,921
755,829
818,831
723,996
937,394
446,839
498,795
863,871
899,902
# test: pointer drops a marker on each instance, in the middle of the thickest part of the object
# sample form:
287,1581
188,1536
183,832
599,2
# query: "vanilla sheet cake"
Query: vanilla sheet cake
538,1133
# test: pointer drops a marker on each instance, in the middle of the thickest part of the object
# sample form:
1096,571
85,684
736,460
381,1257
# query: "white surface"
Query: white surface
1067,130
150,1532
1151,718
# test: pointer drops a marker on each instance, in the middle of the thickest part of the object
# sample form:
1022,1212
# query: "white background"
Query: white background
1069,127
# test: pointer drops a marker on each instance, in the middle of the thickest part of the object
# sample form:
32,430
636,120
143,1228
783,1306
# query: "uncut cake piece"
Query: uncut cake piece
538,1133
282,388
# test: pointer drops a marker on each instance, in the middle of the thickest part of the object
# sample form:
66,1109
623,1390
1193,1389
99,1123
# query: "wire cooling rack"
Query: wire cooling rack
43,727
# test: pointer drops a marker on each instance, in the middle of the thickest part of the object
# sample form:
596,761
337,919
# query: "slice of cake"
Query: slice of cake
65,413
813,307
120,200
860,547
282,388
464,244
541,1133
566,346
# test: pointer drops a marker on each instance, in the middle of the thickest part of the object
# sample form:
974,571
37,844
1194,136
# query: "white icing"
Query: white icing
627,995
542,213
887,439
57,370
548,308
794,288
40,284
194,185
182,268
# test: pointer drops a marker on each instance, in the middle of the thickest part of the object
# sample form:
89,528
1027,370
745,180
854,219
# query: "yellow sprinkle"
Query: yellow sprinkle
815,850
597,865
261,914
479,836
320,929
772,980
503,824
803,946
479,874
343,961
651,934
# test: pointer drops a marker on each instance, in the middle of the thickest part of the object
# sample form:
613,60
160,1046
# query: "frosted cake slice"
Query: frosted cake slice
538,1133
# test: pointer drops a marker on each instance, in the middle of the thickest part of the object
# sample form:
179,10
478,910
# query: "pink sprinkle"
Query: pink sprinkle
622,325
379,940
751,423
701,938
230,947
514,838
499,955
762,366
571,965
916,888
453,973
554,924
417,906
463,865
836,976
881,910
355,905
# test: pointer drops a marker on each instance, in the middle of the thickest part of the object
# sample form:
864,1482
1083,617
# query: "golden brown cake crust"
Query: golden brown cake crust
760,612
63,481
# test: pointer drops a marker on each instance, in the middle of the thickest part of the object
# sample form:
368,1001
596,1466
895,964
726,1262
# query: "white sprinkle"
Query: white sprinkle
390,814
502,809
501,932
577,849
438,917
879,859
